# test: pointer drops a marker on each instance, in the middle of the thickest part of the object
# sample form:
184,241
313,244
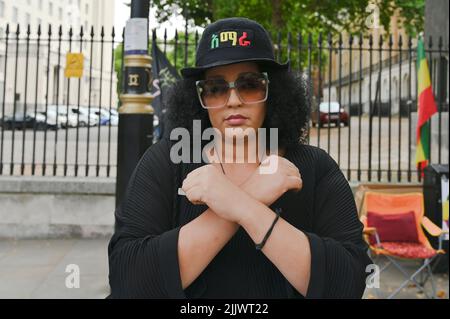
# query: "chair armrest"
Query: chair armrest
369,231
372,231
432,228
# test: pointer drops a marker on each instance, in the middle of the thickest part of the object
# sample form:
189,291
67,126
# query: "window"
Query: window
60,13
27,19
15,15
40,4
86,8
2,8
50,8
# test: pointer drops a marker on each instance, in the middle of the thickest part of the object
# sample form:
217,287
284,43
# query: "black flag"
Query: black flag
164,76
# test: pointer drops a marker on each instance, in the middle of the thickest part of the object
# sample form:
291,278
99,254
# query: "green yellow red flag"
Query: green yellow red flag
426,107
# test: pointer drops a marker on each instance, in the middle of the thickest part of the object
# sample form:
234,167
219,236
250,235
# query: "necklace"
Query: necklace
220,162
223,170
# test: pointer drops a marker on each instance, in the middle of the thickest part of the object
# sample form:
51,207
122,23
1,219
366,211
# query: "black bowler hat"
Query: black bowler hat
233,40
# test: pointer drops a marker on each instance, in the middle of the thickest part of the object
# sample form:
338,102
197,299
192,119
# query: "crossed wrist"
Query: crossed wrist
250,189
247,211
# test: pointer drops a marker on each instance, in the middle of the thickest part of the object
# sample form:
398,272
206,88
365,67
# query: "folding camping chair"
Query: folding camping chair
386,204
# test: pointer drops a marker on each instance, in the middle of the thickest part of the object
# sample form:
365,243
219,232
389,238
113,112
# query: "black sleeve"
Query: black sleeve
338,250
143,255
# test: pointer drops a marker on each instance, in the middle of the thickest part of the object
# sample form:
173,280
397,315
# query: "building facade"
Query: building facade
379,73
32,68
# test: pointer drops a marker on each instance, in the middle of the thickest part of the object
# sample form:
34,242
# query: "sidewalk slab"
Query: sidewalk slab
37,269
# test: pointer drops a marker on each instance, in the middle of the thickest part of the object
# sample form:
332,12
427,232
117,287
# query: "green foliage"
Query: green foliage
304,18
298,15
118,60
412,15
181,50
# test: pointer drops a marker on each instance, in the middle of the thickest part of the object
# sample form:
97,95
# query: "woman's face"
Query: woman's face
235,114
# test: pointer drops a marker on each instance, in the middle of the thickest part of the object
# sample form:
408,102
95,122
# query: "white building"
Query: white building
393,84
43,70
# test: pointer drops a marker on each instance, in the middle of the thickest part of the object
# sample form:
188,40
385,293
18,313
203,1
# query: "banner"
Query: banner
164,76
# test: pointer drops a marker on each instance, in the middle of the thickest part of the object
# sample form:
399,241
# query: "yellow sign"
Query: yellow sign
74,65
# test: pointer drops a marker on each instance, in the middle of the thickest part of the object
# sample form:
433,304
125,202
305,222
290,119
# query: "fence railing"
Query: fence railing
50,124
371,135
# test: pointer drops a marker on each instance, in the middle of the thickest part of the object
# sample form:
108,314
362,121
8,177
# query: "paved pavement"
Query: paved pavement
37,269
392,278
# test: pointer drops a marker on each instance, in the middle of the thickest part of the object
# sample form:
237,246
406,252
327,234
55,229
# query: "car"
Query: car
36,121
53,117
329,112
114,120
64,119
102,115
114,117
84,118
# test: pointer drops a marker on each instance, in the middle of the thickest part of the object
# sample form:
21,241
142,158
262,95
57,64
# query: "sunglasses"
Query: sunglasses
250,88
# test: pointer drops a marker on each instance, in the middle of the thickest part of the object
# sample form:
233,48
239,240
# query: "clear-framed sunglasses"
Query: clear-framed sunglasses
251,88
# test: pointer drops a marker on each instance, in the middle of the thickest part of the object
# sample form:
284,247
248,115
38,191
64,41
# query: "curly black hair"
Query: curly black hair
287,106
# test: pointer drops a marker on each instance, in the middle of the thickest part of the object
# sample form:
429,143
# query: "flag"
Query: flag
164,76
426,107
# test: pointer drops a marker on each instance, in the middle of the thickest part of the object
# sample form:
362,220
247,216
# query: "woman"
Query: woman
223,228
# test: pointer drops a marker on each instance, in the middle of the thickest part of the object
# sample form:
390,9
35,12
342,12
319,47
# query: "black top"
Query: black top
143,260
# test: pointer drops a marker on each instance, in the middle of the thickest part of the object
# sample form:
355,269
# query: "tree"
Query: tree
118,61
181,52
298,15
305,19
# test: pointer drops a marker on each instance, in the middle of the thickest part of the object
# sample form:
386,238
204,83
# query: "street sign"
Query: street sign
74,65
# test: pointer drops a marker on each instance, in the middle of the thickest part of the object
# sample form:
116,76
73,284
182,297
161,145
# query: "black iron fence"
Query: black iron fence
363,97
51,124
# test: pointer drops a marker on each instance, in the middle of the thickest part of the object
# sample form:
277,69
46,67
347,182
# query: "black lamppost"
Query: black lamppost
135,133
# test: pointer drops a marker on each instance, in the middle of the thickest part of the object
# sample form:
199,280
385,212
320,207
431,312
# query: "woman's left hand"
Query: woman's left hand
207,185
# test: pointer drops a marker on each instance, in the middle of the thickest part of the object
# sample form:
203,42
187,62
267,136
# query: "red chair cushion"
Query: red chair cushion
399,227
409,250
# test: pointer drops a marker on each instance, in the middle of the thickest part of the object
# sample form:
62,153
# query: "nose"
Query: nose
233,100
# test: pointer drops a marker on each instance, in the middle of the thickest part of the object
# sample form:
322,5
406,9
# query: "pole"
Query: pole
135,133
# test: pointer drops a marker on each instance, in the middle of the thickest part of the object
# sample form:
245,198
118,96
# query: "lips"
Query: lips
236,116
236,119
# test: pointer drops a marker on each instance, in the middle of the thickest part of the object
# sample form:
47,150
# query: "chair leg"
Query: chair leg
377,259
411,278
386,266
421,279
433,283
427,274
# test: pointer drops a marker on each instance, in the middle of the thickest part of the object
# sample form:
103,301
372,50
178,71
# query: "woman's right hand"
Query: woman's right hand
267,186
